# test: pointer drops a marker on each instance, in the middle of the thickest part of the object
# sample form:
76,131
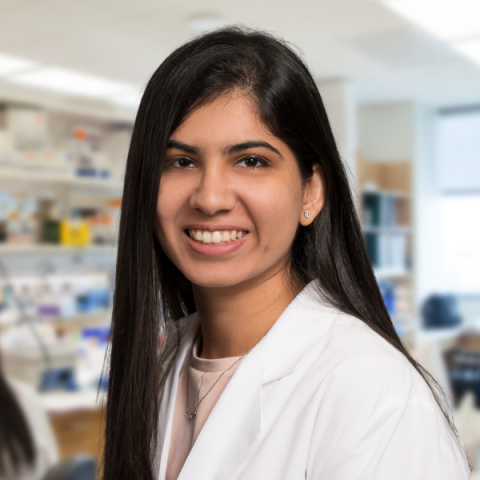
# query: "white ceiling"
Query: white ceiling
126,40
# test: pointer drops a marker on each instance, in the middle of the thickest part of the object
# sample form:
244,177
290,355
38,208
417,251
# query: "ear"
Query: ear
314,196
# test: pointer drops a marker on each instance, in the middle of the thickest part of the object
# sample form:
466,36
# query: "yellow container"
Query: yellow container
74,233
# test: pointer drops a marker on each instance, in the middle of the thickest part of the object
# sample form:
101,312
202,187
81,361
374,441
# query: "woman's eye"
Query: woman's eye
183,163
252,162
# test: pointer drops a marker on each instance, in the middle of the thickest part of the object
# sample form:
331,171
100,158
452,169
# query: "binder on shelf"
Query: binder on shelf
384,250
387,250
388,211
379,209
398,251
371,209
371,241
386,241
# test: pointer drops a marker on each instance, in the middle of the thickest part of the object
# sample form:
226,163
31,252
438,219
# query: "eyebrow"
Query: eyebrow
239,147
183,146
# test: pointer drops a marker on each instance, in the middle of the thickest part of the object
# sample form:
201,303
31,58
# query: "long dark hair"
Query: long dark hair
17,448
151,294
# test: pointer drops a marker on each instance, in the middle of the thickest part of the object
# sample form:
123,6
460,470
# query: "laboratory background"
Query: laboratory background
400,80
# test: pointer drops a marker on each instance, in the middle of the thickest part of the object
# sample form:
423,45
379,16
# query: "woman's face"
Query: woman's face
230,197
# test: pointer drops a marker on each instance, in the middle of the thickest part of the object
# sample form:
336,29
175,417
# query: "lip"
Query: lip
215,250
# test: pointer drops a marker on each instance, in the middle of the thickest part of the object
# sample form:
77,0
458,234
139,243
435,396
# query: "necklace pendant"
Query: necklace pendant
191,415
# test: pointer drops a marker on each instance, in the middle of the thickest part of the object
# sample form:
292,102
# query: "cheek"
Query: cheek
275,212
169,202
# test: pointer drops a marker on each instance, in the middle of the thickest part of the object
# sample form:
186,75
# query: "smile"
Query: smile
220,237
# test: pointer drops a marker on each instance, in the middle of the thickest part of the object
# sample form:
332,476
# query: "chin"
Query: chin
207,281
213,278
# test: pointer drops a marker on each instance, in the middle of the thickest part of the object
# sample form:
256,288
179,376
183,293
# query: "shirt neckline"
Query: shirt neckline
209,364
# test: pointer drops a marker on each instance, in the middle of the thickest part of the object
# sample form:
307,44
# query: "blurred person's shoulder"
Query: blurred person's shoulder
39,424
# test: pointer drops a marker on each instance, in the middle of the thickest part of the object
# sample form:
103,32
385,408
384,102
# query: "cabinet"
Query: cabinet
385,199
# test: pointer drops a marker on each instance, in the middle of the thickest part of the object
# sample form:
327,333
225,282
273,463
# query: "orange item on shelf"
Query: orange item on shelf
80,134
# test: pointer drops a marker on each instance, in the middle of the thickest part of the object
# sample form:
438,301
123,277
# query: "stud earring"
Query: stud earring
307,214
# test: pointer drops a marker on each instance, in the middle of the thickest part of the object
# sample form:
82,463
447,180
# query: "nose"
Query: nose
213,194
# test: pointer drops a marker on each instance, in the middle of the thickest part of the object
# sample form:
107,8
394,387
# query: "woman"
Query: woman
240,245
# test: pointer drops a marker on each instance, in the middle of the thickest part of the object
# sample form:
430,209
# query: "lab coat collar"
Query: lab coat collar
236,418
294,334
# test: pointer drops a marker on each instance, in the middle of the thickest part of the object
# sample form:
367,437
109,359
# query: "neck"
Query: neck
234,319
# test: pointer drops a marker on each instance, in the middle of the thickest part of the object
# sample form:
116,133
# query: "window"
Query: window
458,150
460,243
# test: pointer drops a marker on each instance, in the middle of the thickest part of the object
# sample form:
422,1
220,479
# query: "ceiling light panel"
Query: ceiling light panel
10,65
446,19
70,82
128,99
470,49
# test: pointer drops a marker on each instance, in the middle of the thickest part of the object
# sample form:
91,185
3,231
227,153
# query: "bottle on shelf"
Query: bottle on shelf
49,221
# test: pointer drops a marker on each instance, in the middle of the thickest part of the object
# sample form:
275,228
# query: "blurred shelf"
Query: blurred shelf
49,178
80,321
70,324
390,193
58,402
391,273
45,249
391,229
82,107
442,334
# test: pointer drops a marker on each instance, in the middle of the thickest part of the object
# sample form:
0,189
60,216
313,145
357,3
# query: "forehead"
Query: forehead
229,119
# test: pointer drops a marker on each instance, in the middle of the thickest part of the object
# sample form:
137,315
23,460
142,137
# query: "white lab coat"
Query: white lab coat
320,397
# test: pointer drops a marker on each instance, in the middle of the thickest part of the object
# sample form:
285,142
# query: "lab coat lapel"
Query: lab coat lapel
236,419
295,333
230,428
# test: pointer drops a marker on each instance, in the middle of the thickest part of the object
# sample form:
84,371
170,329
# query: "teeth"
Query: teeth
216,237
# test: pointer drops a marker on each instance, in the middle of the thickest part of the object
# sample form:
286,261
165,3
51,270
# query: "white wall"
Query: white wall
404,131
426,218
340,103
386,132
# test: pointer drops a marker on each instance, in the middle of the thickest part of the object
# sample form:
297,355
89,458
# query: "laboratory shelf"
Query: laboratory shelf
45,249
392,273
387,229
39,177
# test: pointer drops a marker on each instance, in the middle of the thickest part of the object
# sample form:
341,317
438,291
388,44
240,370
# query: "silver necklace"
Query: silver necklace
192,415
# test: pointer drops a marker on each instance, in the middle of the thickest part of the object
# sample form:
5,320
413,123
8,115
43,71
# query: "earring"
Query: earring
307,214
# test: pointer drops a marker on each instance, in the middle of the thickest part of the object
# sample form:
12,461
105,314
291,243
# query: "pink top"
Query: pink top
203,374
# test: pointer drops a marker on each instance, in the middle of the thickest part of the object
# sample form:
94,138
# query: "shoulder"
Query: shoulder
379,400
357,362
37,419
26,396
